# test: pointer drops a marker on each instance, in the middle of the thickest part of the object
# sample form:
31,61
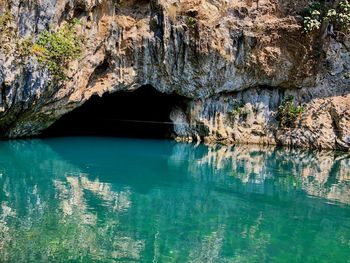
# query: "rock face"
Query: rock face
235,60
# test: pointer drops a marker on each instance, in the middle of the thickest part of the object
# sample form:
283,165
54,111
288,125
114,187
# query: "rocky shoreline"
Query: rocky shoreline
234,64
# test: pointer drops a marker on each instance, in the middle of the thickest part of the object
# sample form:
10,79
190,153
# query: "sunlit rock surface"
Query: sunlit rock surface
220,54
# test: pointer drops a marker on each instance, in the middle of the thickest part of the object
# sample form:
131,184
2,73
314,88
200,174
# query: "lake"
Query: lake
89,199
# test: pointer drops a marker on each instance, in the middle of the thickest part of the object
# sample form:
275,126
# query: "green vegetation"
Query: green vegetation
316,14
118,3
25,46
6,33
55,49
238,109
191,22
313,19
288,113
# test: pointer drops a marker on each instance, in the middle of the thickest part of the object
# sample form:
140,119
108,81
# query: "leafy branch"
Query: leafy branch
288,113
316,15
55,49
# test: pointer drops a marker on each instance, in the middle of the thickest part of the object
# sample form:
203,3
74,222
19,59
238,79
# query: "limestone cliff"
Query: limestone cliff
236,61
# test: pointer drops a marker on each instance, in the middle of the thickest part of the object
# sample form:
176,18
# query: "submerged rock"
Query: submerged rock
235,61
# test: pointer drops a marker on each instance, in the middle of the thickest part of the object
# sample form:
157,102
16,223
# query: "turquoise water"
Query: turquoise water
120,200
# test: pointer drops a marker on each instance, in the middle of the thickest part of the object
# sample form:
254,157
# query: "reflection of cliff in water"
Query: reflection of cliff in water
102,199
323,174
49,198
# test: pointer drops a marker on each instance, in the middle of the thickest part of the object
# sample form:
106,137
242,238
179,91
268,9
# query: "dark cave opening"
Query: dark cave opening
143,113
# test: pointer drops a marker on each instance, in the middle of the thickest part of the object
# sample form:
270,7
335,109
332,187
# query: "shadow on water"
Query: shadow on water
93,199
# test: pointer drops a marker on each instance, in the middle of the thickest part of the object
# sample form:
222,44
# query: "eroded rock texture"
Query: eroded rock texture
235,60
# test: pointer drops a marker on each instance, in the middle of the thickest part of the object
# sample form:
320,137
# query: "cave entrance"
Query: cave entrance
143,113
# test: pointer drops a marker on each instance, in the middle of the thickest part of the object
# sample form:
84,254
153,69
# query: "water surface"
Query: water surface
122,200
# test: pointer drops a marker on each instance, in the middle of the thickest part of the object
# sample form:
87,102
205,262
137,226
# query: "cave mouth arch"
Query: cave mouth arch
143,113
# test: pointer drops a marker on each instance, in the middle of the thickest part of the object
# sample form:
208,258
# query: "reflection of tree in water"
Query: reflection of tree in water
234,205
